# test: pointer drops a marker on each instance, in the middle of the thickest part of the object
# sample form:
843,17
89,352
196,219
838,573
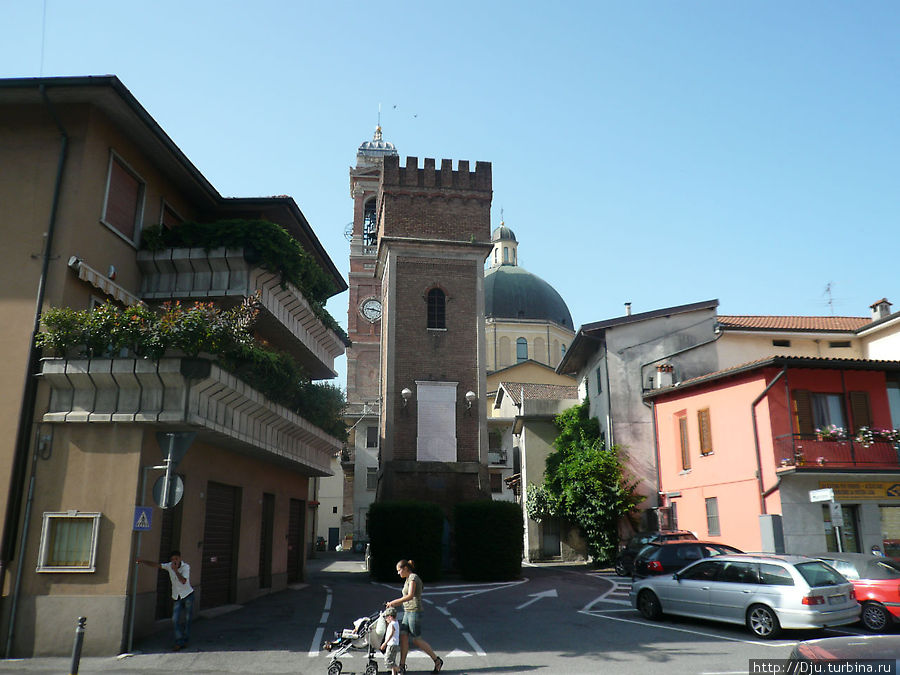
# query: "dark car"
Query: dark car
625,558
881,647
666,557
876,580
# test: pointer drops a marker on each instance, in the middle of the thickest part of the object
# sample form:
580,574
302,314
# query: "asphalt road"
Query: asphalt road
566,619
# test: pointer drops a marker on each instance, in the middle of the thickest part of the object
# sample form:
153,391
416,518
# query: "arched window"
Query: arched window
521,350
370,235
564,349
495,256
506,254
437,317
514,257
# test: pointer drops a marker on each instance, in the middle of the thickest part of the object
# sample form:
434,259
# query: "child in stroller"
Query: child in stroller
366,634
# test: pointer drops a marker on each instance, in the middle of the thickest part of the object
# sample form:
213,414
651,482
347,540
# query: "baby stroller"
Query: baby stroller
366,634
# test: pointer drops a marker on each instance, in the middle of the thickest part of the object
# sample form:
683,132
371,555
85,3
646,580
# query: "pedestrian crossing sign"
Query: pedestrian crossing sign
143,516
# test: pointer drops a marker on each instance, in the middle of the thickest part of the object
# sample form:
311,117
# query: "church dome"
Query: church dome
503,233
377,147
513,293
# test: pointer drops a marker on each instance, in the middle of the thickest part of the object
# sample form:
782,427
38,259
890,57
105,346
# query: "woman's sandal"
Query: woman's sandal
438,664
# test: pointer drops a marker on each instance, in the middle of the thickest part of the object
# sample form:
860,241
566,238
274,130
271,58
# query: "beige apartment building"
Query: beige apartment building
86,168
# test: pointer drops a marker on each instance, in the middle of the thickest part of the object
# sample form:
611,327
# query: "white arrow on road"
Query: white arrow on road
537,596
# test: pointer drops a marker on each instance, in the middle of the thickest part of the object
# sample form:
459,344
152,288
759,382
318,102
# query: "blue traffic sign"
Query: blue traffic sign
143,516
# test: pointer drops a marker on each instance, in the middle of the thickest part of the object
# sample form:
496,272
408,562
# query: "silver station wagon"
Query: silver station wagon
764,592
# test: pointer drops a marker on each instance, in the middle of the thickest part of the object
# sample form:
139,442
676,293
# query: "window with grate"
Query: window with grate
712,516
371,478
123,206
437,308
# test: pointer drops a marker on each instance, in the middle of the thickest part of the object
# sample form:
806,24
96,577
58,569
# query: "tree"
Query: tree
584,483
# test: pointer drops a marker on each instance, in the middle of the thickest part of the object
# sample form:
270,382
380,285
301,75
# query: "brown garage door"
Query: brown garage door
296,526
220,538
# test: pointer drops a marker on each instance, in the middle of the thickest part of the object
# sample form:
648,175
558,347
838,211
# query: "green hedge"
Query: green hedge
405,531
489,540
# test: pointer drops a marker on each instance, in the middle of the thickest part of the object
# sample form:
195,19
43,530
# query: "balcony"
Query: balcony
809,452
497,458
186,393
224,275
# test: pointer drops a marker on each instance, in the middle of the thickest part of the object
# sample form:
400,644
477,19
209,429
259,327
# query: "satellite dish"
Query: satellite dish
348,231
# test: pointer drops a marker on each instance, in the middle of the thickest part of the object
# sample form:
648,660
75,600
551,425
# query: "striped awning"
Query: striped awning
102,282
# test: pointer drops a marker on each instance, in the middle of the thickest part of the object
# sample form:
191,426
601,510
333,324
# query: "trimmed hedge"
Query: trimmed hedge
405,531
489,540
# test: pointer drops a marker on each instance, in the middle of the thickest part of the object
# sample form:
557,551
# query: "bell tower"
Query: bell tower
433,237
360,464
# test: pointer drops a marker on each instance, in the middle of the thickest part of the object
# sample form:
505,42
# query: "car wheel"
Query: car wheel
335,668
620,568
875,617
648,605
762,622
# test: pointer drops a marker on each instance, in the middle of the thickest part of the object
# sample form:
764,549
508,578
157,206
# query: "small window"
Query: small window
599,380
69,542
706,446
712,516
437,308
781,343
334,509
496,483
840,344
123,207
506,254
371,478
521,350
168,218
685,448
372,437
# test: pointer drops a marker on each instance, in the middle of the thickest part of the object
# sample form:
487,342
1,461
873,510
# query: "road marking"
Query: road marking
456,623
443,610
324,618
478,650
686,630
537,596
327,601
316,641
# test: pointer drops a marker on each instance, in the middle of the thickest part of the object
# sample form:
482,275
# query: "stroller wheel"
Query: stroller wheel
335,668
372,669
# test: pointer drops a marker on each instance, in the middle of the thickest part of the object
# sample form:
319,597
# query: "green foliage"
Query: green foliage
538,503
264,243
108,331
406,531
489,540
584,483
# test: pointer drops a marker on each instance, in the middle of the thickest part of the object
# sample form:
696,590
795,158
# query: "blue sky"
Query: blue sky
653,152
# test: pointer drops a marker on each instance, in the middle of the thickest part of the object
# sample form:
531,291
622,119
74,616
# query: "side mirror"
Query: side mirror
676,577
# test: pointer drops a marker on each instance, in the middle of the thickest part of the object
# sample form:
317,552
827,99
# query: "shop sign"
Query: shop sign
851,490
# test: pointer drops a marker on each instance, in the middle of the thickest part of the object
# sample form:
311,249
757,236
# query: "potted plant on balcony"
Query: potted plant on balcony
831,432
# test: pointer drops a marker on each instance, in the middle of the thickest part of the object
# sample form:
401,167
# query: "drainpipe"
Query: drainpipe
759,475
29,389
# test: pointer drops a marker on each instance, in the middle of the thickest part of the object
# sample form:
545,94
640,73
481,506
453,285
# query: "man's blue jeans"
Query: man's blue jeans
182,612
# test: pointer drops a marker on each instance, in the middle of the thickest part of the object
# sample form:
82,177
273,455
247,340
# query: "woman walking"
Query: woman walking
411,623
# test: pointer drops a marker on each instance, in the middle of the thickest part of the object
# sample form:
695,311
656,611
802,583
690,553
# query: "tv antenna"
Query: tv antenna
829,297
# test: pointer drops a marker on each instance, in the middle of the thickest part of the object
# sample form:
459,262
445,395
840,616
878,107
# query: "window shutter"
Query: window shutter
122,200
860,410
685,451
803,411
705,431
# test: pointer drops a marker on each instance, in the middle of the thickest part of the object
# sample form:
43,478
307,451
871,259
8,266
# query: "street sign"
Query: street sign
173,494
823,495
143,517
837,515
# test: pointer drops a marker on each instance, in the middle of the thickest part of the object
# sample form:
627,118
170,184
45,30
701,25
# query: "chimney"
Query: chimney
665,375
627,309
880,309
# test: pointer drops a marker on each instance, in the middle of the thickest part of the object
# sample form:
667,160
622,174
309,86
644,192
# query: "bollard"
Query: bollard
76,648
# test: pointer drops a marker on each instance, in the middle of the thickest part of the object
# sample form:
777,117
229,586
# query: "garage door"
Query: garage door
220,545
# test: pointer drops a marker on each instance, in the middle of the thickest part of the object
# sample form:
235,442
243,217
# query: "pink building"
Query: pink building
739,451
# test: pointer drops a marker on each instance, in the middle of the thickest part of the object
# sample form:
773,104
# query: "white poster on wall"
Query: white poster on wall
436,429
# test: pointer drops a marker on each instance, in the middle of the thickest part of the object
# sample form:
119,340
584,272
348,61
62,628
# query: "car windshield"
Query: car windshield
819,574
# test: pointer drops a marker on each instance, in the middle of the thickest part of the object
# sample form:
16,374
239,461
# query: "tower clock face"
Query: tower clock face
370,309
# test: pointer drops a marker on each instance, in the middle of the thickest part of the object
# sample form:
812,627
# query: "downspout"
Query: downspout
16,489
759,475
609,423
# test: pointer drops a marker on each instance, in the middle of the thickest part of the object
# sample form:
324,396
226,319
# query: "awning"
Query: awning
102,282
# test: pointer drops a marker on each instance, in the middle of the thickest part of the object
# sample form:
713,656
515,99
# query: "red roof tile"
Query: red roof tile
795,323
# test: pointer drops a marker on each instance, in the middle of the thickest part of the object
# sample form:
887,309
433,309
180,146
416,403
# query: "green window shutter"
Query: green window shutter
803,411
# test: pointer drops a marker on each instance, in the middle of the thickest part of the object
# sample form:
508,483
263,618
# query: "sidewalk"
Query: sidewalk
259,637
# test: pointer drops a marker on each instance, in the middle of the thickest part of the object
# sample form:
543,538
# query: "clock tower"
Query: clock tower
364,329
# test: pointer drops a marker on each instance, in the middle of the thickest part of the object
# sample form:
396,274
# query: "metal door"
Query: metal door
220,545
296,528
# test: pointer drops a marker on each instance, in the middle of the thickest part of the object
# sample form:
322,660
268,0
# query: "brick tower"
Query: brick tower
433,237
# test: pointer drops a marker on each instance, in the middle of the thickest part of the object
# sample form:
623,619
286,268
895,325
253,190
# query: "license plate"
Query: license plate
835,599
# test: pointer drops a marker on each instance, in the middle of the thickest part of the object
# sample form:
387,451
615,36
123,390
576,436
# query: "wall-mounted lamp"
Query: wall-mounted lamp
406,394
471,397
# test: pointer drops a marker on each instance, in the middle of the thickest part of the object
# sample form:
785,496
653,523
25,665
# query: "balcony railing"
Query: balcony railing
812,452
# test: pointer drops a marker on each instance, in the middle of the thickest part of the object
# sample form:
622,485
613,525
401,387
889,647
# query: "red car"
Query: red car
876,581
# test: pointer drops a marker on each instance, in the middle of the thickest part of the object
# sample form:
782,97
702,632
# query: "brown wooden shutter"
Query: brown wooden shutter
705,431
803,411
122,199
685,450
860,410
